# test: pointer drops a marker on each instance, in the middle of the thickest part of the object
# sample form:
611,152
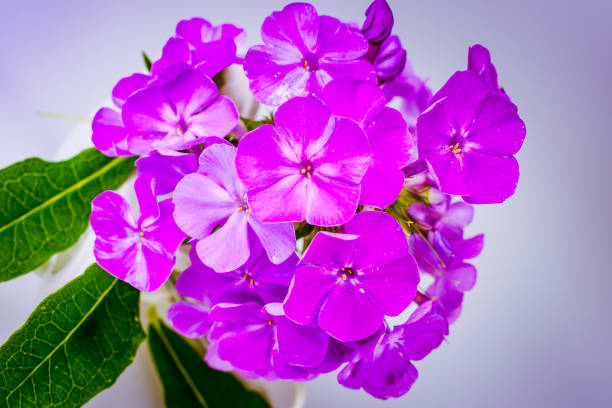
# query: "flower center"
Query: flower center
306,169
248,277
311,62
346,273
455,148
181,127
141,234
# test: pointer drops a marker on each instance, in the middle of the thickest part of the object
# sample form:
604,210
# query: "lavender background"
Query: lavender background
536,331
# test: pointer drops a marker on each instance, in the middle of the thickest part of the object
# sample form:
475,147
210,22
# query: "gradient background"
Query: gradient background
536,331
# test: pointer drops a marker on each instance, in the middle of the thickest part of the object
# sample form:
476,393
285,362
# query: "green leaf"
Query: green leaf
188,381
147,61
252,124
45,207
75,344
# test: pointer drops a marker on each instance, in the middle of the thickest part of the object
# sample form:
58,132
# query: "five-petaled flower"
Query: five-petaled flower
349,281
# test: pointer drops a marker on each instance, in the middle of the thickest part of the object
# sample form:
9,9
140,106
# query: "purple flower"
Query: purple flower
479,61
443,250
257,280
448,296
378,23
307,167
177,115
302,52
215,196
137,251
109,133
352,280
167,171
386,129
388,372
259,341
390,59
190,319
208,48
412,92
469,136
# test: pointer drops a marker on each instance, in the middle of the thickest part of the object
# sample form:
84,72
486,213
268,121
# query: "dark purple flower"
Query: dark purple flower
177,115
390,59
378,23
307,167
109,133
352,280
469,136
215,196
389,372
137,251
302,52
386,129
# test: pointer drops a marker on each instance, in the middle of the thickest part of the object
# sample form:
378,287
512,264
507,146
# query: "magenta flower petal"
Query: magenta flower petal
330,201
463,275
247,350
302,53
386,131
348,314
307,168
498,117
191,92
390,287
381,185
376,227
177,113
233,235
201,205
167,171
399,373
130,250
195,282
278,240
387,371
164,230
266,66
299,345
145,190
176,51
309,286
218,119
469,136
425,328
127,86
271,201
109,134
216,196
353,278
479,61
189,319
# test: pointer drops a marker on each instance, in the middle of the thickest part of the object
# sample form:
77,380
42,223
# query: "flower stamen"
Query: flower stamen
455,148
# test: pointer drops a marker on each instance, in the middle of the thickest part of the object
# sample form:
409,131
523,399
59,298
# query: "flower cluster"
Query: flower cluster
312,229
